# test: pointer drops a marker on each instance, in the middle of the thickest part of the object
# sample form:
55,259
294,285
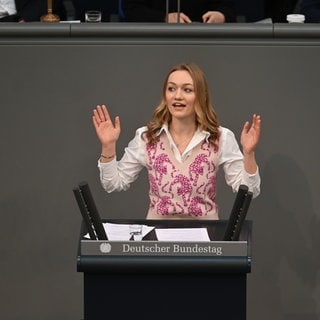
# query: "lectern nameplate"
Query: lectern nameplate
163,248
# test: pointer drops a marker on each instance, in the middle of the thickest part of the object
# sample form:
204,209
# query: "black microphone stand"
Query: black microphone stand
178,10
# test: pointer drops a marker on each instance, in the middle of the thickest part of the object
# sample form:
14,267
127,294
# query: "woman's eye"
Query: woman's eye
171,89
188,90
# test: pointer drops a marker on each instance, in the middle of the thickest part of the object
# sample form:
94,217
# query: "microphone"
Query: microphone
178,10
167,10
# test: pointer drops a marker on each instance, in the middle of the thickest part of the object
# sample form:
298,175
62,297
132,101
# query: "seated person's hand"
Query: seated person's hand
173,18
213,17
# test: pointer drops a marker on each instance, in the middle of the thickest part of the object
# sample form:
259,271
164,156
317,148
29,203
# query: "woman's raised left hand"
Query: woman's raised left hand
250,135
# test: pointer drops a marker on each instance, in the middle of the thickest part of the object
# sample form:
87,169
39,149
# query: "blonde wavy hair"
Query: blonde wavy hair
206,117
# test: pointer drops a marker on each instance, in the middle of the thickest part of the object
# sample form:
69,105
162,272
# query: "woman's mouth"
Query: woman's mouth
178,105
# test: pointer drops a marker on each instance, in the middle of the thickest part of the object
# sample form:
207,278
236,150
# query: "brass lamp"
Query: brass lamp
50,17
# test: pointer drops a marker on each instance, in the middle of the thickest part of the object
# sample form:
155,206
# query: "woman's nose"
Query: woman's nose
178,94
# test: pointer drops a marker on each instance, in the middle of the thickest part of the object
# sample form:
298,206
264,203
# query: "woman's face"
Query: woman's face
180,95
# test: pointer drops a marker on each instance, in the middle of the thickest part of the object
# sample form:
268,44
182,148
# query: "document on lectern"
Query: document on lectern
118,232
121,232
182,234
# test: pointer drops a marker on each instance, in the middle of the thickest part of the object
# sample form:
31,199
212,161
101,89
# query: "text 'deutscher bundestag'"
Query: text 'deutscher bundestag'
156,248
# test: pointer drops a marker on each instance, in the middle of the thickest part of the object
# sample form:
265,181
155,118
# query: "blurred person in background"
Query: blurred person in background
205,11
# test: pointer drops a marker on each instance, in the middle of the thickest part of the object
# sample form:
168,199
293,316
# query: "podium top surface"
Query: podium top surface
151,255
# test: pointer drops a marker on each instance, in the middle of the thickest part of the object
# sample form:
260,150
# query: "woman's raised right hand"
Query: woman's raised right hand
107,132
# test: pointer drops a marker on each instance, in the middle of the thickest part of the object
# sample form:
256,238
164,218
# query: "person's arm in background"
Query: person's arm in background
225,8
144,10
30,10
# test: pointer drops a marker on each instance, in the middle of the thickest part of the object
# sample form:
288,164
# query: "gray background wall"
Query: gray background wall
49,86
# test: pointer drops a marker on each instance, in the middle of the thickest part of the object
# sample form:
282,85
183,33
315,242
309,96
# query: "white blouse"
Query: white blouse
118,175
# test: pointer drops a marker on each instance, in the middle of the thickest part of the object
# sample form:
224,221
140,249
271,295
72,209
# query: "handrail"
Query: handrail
150,32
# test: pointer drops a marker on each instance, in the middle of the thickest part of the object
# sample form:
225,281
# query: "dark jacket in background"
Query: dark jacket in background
155,10
278,10
311,10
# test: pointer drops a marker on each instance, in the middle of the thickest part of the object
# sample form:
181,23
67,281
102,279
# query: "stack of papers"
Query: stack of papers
121,232
182,234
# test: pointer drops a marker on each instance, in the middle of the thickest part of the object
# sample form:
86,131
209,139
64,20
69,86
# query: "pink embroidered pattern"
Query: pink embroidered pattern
197,168
187,188
162,167
182,187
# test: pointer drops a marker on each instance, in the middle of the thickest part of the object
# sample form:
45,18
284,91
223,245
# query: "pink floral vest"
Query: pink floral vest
182,190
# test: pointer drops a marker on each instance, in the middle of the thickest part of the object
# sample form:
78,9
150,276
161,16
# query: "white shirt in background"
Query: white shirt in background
7,8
